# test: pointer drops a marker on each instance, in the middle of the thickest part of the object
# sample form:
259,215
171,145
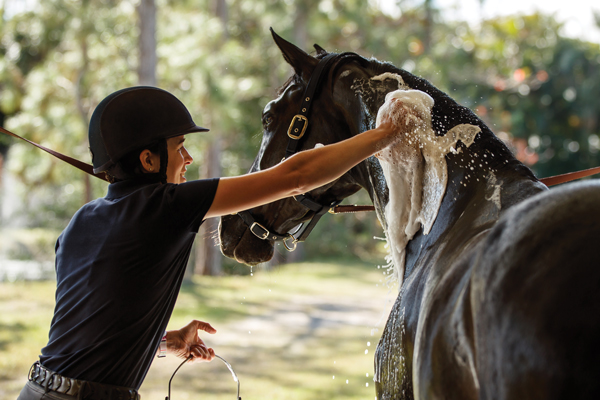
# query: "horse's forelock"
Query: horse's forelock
294,79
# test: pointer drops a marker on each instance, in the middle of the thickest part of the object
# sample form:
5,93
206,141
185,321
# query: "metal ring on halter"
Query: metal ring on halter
294,243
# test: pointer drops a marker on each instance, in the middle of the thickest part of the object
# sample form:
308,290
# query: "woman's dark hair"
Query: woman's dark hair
130,166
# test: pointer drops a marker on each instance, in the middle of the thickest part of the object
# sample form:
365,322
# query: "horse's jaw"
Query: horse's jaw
415,169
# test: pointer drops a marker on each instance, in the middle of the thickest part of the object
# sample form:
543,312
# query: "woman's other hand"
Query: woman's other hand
186,342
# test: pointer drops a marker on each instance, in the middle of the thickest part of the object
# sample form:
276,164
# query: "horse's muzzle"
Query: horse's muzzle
238,243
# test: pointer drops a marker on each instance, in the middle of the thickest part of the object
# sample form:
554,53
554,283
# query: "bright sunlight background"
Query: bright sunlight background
577,15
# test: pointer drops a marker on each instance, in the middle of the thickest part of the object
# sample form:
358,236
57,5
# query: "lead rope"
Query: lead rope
549,181
235,378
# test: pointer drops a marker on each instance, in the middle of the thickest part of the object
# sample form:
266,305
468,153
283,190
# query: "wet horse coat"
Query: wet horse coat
500,299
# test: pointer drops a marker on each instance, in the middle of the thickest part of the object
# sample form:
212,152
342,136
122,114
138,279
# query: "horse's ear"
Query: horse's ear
302,62
319,49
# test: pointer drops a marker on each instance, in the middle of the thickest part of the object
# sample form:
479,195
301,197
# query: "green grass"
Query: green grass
286,332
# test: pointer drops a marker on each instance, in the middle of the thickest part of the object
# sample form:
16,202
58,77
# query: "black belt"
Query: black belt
84,390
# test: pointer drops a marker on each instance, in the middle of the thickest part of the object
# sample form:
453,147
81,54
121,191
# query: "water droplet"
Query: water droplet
346,381
367,351
333,377
367,384
368,343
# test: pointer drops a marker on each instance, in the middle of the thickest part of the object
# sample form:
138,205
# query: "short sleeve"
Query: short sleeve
190,201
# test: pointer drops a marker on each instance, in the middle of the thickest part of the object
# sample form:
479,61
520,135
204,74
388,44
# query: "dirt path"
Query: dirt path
307,347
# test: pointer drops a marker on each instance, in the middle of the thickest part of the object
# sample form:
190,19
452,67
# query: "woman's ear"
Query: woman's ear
150,162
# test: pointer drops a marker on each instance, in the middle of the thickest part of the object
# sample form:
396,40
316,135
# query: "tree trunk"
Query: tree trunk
81,92
428,26
209,260
147,42
3,151
300,24
221,10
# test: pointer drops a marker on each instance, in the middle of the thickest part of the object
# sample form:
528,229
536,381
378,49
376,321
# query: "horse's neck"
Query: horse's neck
476,196
377,188
476,188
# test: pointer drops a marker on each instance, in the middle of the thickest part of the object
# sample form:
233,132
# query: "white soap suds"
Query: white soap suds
495,188
392,76
415,167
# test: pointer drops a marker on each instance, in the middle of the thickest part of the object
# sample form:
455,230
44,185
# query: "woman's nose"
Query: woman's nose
187,157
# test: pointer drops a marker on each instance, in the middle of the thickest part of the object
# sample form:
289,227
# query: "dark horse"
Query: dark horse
501,298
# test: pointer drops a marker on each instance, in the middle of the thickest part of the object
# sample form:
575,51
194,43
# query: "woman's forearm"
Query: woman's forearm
299,174
319,166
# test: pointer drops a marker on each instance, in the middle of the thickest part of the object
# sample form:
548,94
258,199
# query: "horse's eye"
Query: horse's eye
267,119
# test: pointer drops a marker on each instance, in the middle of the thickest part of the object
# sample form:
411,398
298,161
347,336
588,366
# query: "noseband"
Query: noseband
295,133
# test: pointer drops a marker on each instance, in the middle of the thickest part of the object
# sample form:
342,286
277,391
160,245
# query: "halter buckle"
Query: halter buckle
264,234
291,247
297,132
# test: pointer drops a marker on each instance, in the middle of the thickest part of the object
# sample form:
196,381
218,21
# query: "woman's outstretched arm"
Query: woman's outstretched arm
298,174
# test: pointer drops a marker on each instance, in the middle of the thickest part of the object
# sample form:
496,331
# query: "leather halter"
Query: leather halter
295,132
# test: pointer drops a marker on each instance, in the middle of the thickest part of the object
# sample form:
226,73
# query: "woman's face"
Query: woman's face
179,159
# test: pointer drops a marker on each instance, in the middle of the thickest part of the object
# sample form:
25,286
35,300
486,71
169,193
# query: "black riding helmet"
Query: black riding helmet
133,118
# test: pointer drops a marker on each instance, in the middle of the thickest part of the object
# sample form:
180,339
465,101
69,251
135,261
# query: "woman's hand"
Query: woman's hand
185,342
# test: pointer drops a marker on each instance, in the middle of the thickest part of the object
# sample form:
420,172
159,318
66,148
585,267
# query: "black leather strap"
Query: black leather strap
259,230
313,222
299,123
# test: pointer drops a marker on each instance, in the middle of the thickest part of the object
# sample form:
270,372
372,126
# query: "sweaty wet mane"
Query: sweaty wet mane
447,113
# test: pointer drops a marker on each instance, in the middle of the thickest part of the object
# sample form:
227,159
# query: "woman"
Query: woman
121,260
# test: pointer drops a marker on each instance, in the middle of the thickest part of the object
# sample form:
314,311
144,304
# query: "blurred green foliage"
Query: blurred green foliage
535,88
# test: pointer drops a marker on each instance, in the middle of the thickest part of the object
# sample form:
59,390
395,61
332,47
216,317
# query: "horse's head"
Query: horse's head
340,109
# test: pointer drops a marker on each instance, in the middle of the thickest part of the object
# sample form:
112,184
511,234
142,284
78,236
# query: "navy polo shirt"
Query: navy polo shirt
119,265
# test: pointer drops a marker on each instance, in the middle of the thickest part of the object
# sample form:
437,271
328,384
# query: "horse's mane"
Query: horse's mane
447,113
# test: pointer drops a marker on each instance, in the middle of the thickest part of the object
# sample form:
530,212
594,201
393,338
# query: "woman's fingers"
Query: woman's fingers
202,353
204,326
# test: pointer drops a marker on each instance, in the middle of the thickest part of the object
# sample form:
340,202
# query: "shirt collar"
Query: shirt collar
123,188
